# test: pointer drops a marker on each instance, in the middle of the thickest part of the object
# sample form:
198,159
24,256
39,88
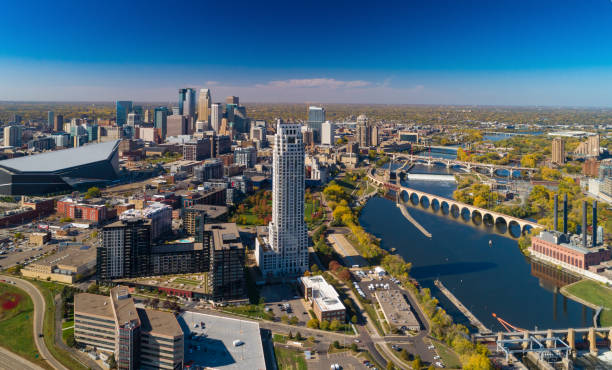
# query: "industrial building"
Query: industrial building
138,338
60,170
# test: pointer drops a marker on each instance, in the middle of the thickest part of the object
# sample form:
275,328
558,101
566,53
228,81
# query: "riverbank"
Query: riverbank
594,295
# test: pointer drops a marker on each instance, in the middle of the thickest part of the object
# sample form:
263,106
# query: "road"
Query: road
10,361
39,316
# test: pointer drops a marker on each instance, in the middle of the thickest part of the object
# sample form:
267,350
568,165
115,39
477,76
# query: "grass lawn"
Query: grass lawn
595,293
448,356
250,310
49,290
287,359
67,324
16,315
187,281
279,338
373,315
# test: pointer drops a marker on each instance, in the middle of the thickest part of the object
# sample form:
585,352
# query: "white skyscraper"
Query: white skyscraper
284,250
328,131
216,115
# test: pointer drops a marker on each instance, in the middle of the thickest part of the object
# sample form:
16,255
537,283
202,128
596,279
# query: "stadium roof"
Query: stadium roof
61,159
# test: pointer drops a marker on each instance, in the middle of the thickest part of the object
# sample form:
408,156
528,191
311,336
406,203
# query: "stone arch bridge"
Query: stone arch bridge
456,208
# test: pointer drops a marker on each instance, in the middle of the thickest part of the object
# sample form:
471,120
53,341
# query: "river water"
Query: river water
487,279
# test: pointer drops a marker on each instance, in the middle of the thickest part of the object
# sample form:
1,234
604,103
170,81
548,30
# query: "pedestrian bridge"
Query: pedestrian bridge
455,208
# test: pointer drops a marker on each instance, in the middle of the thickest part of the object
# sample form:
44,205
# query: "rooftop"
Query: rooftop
69,256
220,333
124,305
93,304
323,293
225,235
197,283
159,323
211,211
62,159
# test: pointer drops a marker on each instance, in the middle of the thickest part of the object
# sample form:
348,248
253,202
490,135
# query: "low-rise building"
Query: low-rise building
323,297
69,207
68,265
396,310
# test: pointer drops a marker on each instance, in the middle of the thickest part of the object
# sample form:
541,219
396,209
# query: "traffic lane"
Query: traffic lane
11,361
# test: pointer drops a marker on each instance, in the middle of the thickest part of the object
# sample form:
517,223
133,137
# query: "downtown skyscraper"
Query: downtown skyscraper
316,117
204,103
123,107
283,250
187,102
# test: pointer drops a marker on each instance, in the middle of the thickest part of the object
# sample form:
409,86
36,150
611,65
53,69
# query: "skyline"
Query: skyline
474,53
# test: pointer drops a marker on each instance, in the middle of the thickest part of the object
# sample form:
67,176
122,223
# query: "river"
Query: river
487,279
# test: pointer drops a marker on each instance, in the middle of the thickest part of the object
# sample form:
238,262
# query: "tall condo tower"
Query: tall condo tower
216,115
204,106
284,250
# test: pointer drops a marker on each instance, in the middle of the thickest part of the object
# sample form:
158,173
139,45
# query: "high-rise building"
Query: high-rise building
246,156
197,149
160,120
558,151
124,249
363,131
284,250
328,131
226,279
133,119
177,125
123,107
58,123
316,117
50,119
216,115
187,102
12,136
593,145
232,100
204,104
147,116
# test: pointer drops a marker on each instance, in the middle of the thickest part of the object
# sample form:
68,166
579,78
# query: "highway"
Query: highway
39,316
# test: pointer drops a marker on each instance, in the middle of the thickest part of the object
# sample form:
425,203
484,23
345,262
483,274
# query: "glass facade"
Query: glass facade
160,120
123,108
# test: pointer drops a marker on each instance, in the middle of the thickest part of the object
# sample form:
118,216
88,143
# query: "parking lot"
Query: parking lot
370,283
345,360
284,299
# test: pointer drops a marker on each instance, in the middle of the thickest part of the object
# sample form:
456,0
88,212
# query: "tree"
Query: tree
93,289
324,325
354,319
93,192
311,339
290,336
298,336
294,320
285,319
313,323
354,347
478,362
335,325
404,355
70,340
417,363
111,362
336,344
344,275
390,366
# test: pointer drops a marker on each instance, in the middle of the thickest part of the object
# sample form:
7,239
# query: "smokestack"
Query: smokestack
584,223
556,214
565,213
594,241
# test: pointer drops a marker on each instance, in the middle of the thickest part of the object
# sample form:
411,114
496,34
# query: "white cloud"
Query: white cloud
330,83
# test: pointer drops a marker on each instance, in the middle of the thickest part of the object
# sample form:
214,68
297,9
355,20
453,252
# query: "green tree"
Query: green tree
93,192
417,363
313,323
335,325
478,361
324,325
354,319
294,320
354,347
290,336
336,344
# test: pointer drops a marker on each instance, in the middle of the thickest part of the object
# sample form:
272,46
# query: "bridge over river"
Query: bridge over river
448,163
476,214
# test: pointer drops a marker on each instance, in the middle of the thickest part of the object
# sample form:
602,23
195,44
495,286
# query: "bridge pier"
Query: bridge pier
526,343
448,164
491,171
592,341
549,342
571,339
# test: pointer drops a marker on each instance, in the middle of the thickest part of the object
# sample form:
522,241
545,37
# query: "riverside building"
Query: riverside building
283,250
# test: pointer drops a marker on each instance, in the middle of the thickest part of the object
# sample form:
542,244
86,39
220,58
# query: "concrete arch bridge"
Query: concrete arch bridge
455,208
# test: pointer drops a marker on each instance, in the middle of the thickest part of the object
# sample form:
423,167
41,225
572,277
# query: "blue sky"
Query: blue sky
522,52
